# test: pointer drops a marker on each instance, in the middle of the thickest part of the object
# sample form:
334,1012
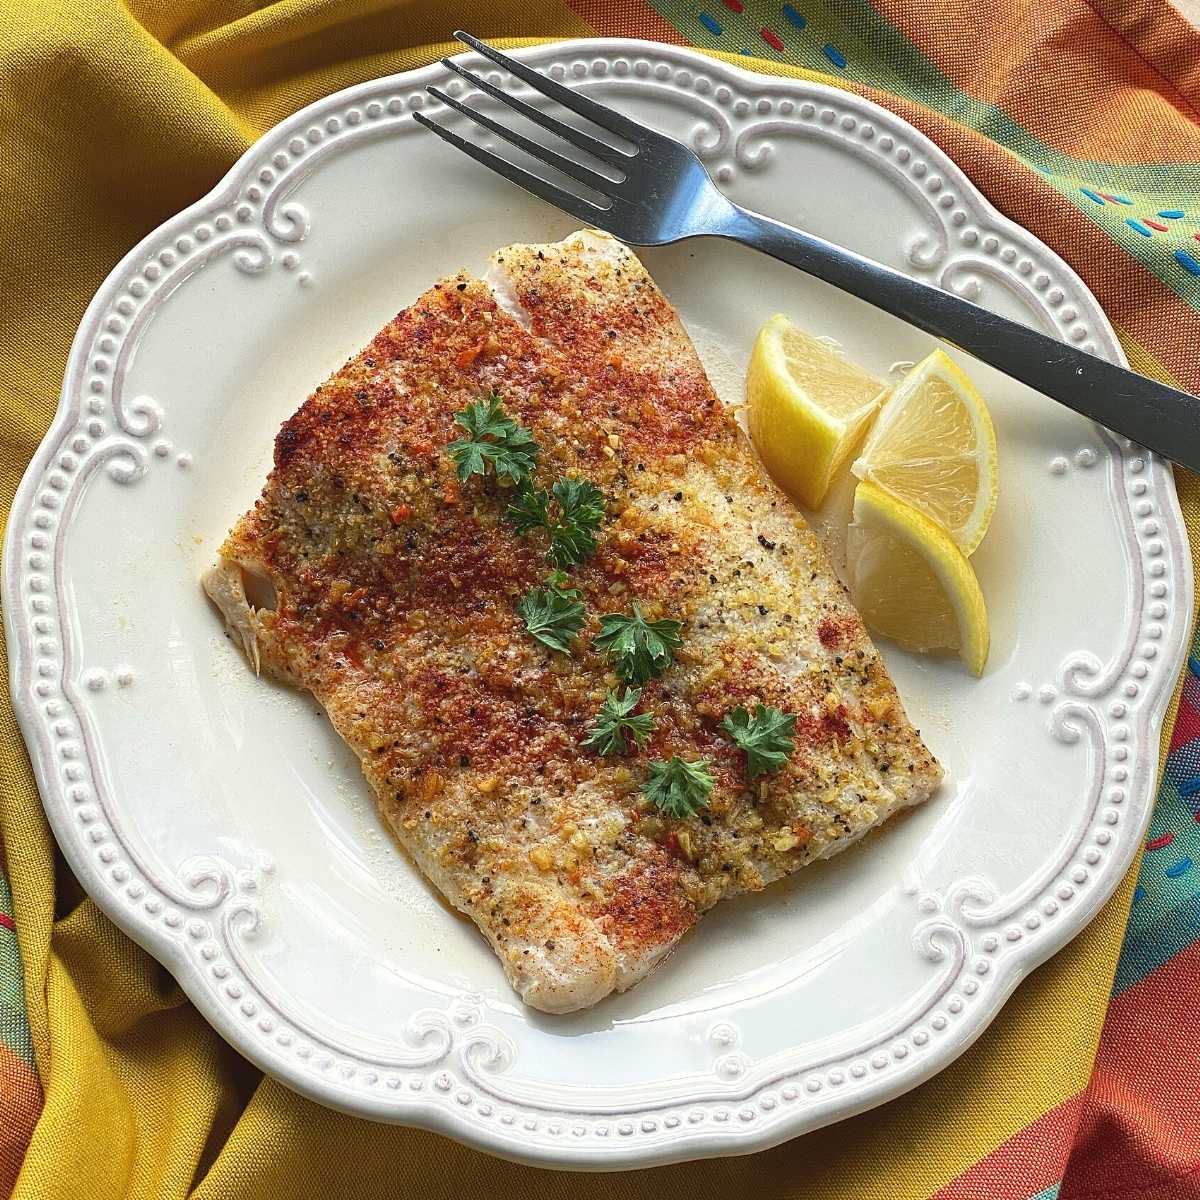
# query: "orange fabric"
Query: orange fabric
1066,59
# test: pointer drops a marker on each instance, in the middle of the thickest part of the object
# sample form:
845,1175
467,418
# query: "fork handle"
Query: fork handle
1152,414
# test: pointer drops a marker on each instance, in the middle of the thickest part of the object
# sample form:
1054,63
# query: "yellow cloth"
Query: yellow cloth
107,133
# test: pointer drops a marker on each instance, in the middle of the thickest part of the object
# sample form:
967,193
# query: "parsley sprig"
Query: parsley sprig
640,649
678,788
614,723
581,509
530,509
571,521
766,737
493,437
553,614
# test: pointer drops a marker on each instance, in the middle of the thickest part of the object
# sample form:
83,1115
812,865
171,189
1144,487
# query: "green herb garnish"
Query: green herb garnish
640,649
577,513
677,788
613,722
530,509
493,437
581,509
553,614
766,737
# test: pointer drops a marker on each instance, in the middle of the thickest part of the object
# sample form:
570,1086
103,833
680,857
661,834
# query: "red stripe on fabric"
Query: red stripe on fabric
1137,1130
733,5
1187,725
1155,225
1029,1162
1160,842
772,39
22,1093
7,921
630,18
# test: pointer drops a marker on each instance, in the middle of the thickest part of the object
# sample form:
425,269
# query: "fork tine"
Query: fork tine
567,201
601,114
585,141
575,170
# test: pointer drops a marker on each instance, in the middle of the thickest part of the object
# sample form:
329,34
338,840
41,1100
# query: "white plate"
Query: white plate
220,822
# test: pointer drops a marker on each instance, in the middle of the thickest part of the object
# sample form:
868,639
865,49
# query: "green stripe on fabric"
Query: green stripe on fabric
850,41
1145,950
14,1019
1156,249
1165,916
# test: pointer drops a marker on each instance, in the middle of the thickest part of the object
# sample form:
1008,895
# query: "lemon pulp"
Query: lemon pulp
933,446
808,407
911,583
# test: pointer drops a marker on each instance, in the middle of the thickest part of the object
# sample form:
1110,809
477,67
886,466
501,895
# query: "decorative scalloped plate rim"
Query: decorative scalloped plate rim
987,966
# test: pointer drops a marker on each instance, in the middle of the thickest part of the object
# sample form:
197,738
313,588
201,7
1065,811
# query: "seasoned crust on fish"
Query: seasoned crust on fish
393,602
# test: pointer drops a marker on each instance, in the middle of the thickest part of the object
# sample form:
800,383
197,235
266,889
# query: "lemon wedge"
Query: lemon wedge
911,583
808,407
933,446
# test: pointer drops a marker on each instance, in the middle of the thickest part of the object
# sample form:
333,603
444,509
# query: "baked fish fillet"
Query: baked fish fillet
368,575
